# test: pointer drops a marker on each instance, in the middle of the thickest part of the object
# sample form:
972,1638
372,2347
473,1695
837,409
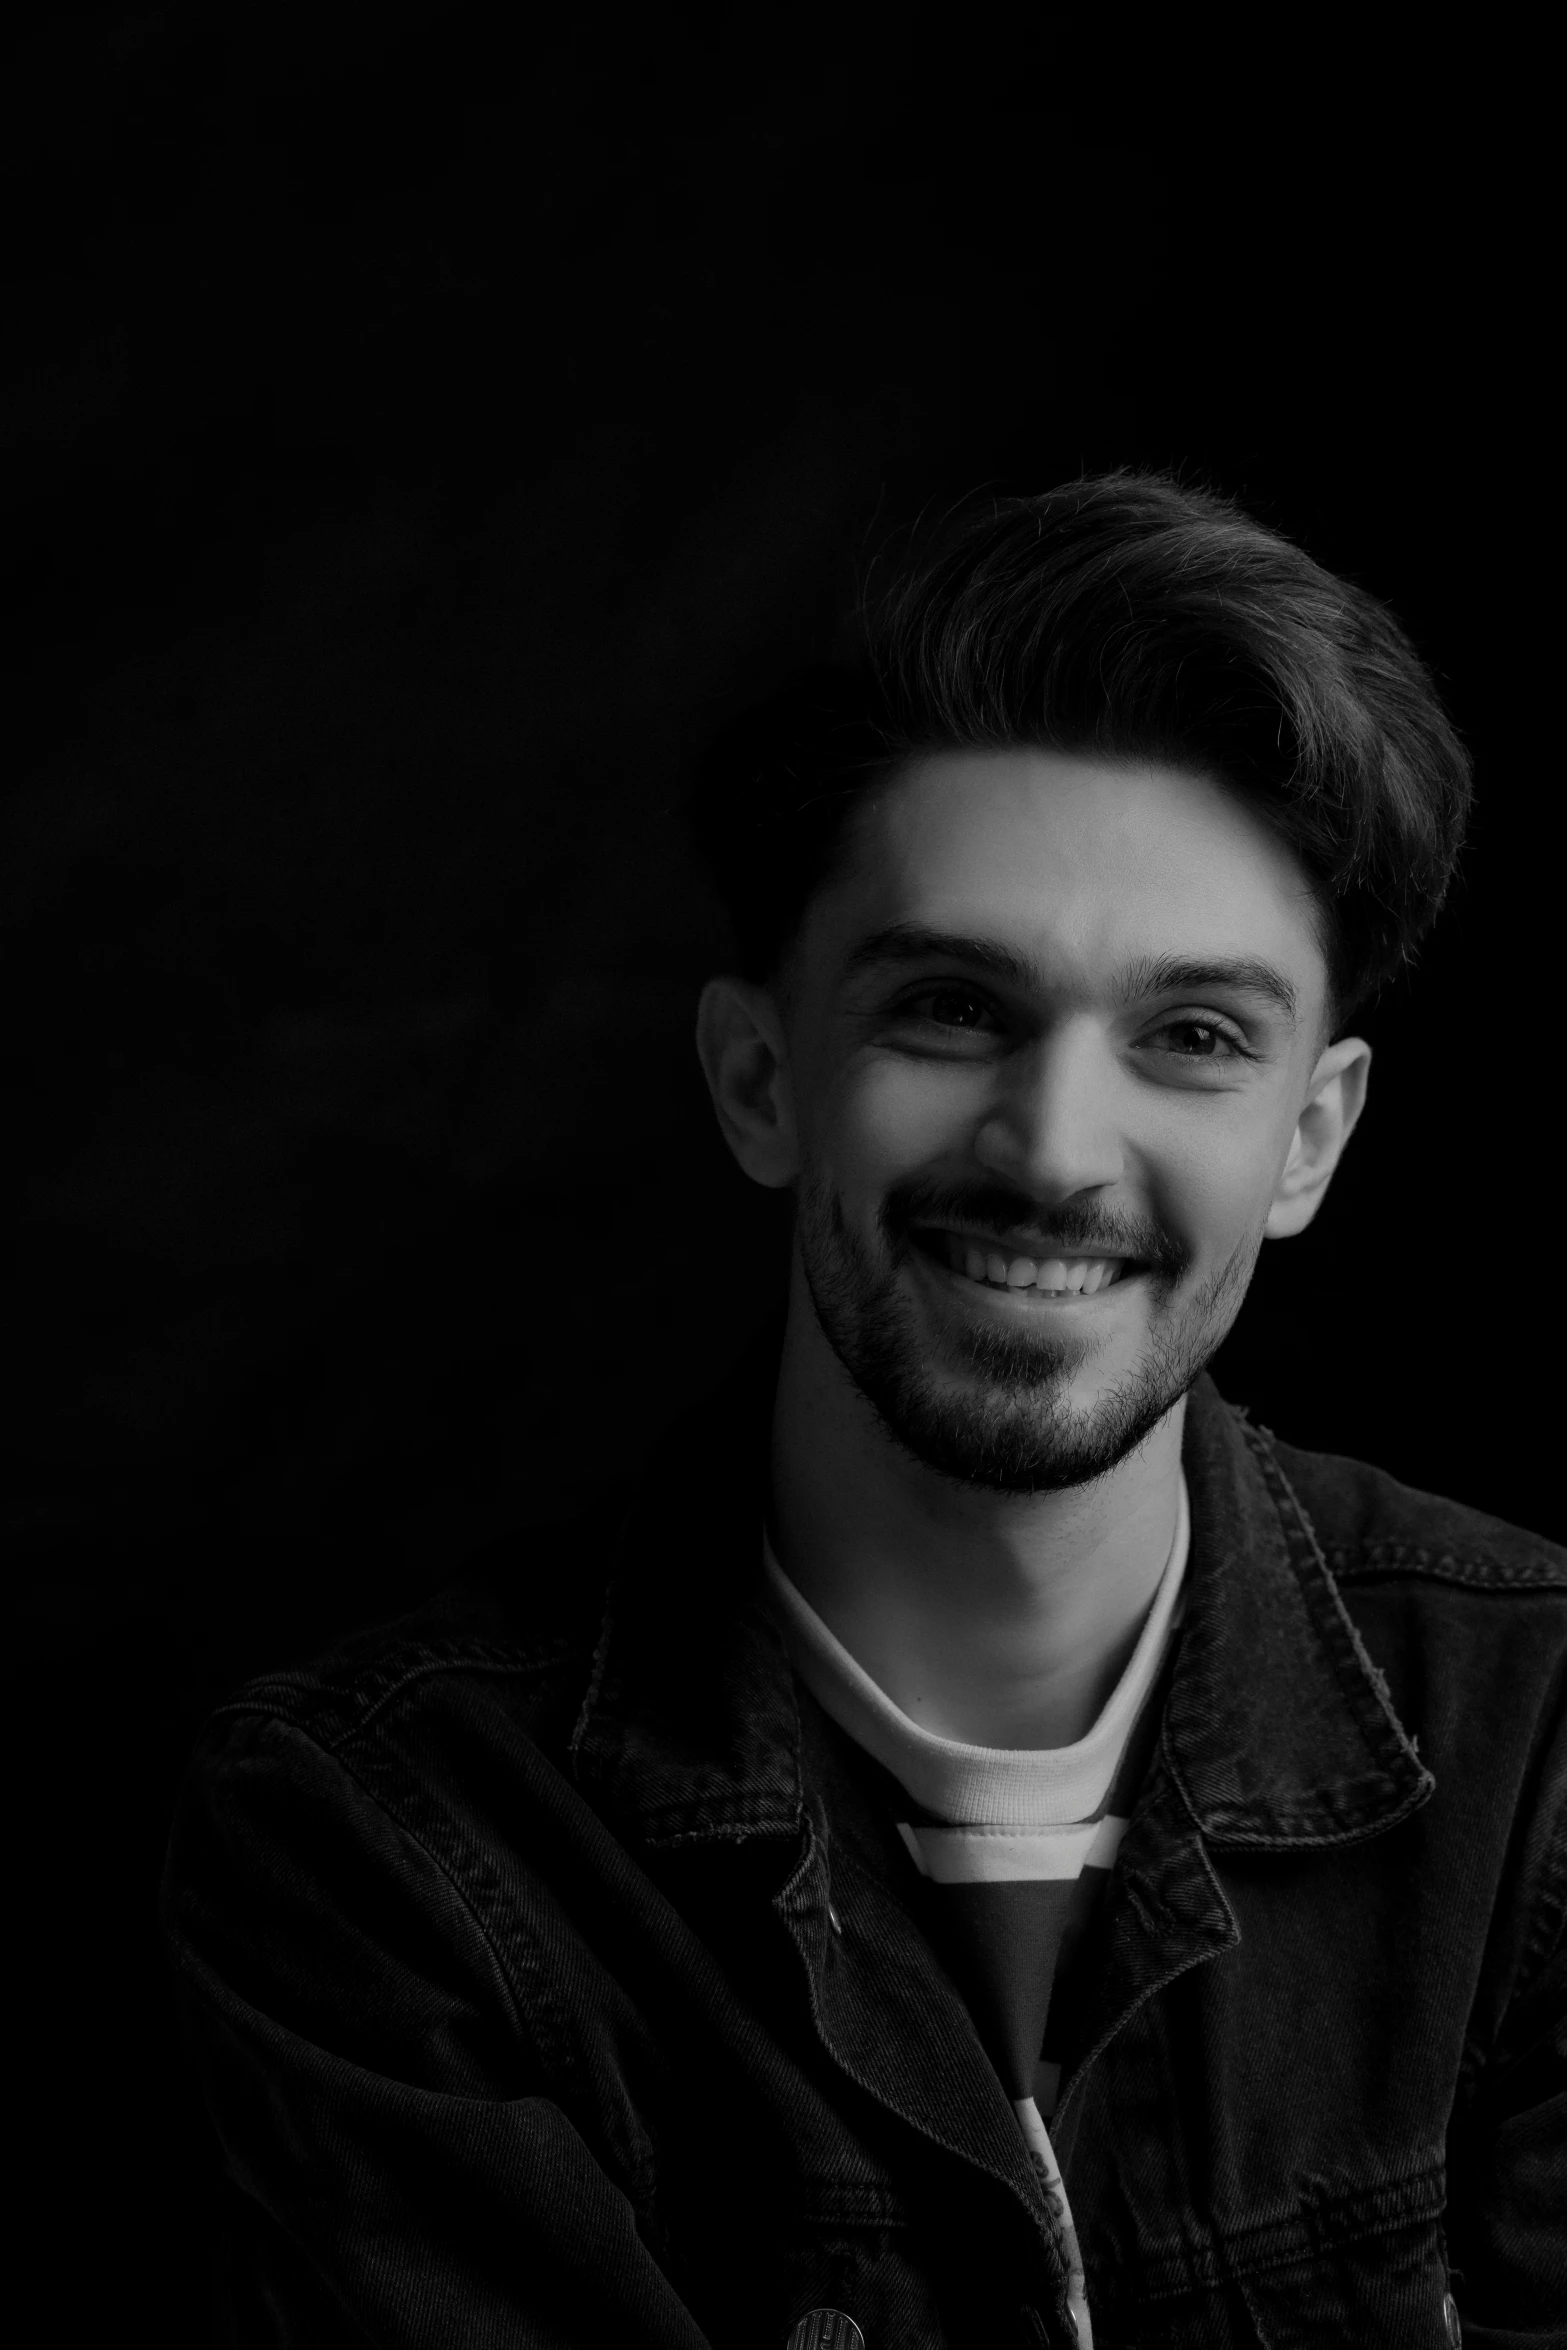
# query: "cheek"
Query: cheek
1216,1178
886,1117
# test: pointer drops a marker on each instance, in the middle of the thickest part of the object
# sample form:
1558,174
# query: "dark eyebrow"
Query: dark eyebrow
1196,975
910,942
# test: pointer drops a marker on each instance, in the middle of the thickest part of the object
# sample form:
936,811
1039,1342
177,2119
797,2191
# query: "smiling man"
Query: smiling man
993,1848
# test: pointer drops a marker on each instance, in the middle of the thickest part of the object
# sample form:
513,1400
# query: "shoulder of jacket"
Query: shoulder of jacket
1370,1525
527,1610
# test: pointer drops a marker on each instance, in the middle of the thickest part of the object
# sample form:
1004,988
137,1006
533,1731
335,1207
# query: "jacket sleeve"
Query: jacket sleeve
398,2173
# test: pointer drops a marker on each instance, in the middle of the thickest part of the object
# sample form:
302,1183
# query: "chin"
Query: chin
1007,1411
1021,1445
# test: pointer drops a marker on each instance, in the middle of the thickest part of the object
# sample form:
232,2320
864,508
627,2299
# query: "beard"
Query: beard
994,1408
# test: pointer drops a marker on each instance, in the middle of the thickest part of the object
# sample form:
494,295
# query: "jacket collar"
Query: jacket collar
1278,1729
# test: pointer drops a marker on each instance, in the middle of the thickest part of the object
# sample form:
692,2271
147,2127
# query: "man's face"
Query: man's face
1048,1037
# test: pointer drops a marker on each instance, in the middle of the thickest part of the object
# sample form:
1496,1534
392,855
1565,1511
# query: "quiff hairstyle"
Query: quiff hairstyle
1125,617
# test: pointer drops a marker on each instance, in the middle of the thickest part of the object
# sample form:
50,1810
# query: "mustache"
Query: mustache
1068,1229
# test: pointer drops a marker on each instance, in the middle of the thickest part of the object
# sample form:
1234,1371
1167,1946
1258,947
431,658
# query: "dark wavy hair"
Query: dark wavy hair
1129,617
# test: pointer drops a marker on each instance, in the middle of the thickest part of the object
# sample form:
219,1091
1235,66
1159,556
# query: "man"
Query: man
993,1848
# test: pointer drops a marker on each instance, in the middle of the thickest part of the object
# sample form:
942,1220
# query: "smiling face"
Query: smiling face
1045,1067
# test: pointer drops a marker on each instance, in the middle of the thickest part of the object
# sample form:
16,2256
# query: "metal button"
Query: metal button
826,2329
1455,2332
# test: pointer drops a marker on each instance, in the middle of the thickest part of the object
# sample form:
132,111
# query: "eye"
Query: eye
1202,1040
952,1007
945,1016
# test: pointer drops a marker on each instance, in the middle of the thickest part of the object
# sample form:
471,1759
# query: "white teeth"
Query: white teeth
1055,1276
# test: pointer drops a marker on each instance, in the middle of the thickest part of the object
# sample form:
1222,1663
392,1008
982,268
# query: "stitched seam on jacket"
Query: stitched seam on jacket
404,1828
593,1692
315,1708
546,2026
1474,1571
1551,1913
831,2202
554,2045
1412,2201
1391,1745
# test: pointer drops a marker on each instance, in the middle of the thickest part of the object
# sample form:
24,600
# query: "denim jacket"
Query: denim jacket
557,1976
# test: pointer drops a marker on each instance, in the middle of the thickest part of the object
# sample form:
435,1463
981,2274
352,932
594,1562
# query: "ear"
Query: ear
745,1057
1333,1106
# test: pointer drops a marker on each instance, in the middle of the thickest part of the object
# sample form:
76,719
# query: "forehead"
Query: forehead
1083,864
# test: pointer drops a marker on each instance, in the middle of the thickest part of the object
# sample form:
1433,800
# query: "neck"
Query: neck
1000,1619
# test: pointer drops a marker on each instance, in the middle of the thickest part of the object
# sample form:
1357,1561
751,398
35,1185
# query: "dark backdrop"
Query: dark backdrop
414,451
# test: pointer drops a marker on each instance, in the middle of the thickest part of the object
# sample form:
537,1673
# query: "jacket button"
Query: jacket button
826,2329
1455,2332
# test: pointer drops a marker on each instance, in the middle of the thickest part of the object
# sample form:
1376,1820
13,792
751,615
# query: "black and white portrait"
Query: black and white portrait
786,1553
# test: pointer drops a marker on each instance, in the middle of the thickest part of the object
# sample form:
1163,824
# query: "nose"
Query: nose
1051,1127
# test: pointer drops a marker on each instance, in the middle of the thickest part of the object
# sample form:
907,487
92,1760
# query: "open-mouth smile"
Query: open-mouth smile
995,1264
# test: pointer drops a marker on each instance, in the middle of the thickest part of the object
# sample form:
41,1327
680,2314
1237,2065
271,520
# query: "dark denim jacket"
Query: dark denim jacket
557,1976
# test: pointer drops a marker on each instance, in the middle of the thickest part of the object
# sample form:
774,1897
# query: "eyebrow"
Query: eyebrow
1150,975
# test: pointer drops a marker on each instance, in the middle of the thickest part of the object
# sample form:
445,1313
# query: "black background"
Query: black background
414,447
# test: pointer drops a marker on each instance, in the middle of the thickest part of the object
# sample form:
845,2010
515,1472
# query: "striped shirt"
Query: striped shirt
1016,1845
